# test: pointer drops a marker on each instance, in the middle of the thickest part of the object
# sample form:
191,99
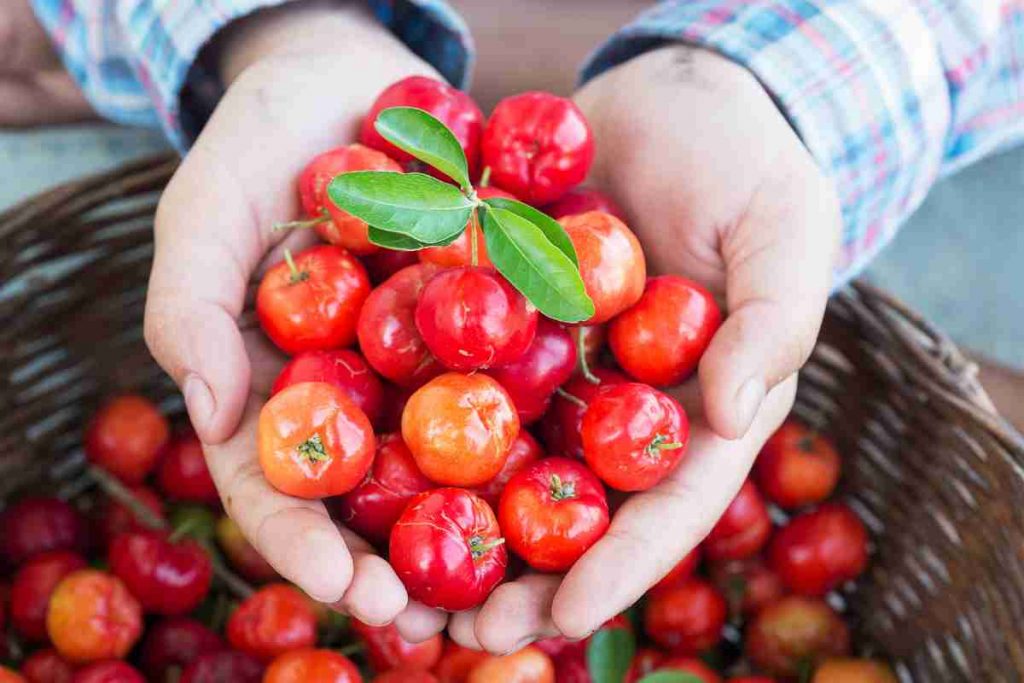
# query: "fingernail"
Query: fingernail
198,401
748,402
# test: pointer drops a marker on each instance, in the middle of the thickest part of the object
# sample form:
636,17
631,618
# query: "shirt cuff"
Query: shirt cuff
861,83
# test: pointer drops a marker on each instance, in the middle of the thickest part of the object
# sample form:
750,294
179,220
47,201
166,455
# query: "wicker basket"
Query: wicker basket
937,476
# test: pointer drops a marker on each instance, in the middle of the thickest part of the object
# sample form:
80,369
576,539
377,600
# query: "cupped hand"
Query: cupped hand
308,73
719,189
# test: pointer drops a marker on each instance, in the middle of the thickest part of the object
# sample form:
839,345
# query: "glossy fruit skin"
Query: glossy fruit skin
552,512
792,631
645,661
182,473
611,262
686,619
524,451
126,436
456,662
386,262
744,528
309,665
343,229
92,617
594,337
387,330
633,436
445,549
175,643
460,428
797,466
111,671
46,666
386,649
848,670
227,666
538,146
9,676
662,337
683,570
472,318
460,252
243,558
32,587
373,507
343,368
819,550
531,380
452,107
560,427
405,676
692,666
528,665
583,200
271,621
115,518
167,578
748,585
314,441
319,310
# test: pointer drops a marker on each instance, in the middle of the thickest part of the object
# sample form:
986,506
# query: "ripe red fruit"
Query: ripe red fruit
849,670
818,550
661,338
748,585
794,633
373,507
686,619
633,436
115,518
690,665
761,679
338,226
224,666
460,428
169,578
460,252
742,530
611,262
552,512
386,649
309,665
447,549
243,557
46,666
92,617
172,644
314,441
9,676
452,107
36,525
343,368
583,200
273,620
110,671
472,318
538,146
456,662
547,364
386,262
524,451
592,342
528,665
645,661
312,302
560,427
387,330
406,676
125,437
32,587
683,570
182,473
797,466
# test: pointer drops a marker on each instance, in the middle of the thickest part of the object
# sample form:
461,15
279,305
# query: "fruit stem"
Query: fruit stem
297,275
474,258
661,443
352,648
478,548
308,223
562,490
485,177
580,403
806,443
183,529
313,449
581,357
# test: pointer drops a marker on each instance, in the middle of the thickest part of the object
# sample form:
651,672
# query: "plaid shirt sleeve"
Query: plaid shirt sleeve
137,60
888,95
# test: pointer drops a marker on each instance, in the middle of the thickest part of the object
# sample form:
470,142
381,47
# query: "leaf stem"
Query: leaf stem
485,177
474,249
581,356
570,398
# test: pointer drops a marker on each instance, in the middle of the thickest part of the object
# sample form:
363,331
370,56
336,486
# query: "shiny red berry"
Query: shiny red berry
126,436
167,577
743,529
532,379
345,369
182,473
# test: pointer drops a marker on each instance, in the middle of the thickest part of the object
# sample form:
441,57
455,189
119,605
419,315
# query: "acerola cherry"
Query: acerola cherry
333,224
169,578
10,676
386,649
742,530
524,451
125,437
528,665
312,302
243,557
561,425
308,665
386,262
387,330
273,620
172,644
848,670
373,507
760,679
686,619
32,587
115,518
314,441
818,550
583,200
661,338
46,666
538,146
794,633
645,661
748,585
532,379
111,671
343,368
452,107
456,662
406,676
633,436
472,318
447,549
693,666
36,525
220,667
460,252
460,428
683,570
797,466
182,473
552,512
611,262
92,616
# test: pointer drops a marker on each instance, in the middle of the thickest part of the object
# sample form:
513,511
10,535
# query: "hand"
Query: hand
308,73
721,190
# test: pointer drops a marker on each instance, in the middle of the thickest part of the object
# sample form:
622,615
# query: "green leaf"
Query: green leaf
423,136
551,228
670,677
609,654
539,270
411,204
399,242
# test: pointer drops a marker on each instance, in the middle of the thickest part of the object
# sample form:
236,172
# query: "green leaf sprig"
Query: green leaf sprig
609,654
411,211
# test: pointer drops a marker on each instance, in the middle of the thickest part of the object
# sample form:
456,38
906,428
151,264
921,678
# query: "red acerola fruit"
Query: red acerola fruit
93,617
309,665
583,200
115,518
687,618
386,649
797,466
794,633
645,661
46,666
693,666
819,550
172,644
744,528
524,451
683,570
528,665
169,578
456,662
273,620
182,473
386,262
126,436
110,671
560,427
224,666
32,587
343,368
36,525
532,379
748,585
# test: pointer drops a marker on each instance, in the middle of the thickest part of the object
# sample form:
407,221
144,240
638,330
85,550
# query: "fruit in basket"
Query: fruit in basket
682,571
460,252
115,518
172,644
227,665
560,426
273,620
686,619
848,670
92,617
309,665
240,554
126,436
32,587
819,550
532,379
645,661
456,662
182,473
35,525
748,585
692,666
343,368
111,671
386,649
583,200
46,666
528,665
9,676
168,576
524,451
743,529
797,466
794,634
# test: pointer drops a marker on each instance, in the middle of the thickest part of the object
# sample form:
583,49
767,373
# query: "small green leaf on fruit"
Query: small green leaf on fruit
423,136
609,655
551,228
671,677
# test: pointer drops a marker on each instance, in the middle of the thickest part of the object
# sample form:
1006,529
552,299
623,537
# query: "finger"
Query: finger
376,595
779,263
653,530
517,613
419,622
42,98
462,628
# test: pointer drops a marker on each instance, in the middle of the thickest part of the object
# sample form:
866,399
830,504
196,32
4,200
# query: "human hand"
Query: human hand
301,78
719,189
